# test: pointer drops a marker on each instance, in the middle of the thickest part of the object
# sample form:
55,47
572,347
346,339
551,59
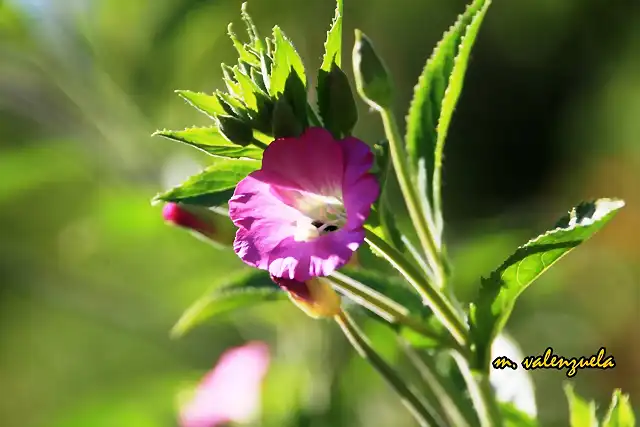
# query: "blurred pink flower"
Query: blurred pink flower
231,391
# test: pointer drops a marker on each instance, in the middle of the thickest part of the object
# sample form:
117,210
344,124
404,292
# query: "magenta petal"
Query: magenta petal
263,220
320,257
231,391
360,188
313,161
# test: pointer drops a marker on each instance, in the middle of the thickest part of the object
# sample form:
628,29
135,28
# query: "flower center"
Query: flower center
323,215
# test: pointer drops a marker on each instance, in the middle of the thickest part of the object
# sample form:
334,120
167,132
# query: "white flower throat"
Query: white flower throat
324,214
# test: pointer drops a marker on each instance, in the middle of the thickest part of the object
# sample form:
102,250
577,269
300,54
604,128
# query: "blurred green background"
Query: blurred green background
91,280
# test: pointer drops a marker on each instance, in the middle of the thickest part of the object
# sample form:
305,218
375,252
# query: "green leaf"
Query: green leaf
620,413
435,98
372,78
285,60
233,87
208,104
245,290
232,106
333,45
248,89
335,102
256,43
243,53
498,293
514,417
212,187
581,412
211,142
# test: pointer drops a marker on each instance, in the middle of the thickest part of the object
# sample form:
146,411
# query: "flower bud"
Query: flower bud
235,131
315,297
372,78
216,228
335,102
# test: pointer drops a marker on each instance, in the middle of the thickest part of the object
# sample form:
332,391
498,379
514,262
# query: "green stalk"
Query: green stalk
431,296
448,399
386,308
481,393
421,221
259,143
424,415
313,117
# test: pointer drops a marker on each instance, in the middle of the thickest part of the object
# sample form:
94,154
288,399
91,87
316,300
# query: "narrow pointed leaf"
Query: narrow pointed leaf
243,291
620,413
435,98
285,60
243,53
208,104
499,292
333,45
581,412
212,187
248,88
211,142
256,43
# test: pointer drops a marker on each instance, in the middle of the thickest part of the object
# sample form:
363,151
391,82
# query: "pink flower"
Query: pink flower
302,214
231,391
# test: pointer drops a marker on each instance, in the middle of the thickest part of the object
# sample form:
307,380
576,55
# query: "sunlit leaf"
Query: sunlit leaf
211,142
435,98
208,104
285,61
248,89
499,292
620,413
213,186
333,45
243,53
245,290
581,412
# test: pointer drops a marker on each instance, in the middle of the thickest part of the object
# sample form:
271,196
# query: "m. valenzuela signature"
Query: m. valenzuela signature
549,360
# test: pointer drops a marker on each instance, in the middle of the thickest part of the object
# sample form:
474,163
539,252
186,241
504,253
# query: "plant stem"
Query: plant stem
421,221
425,415
481,393
259,144
448,399
431,296
313,117
386,308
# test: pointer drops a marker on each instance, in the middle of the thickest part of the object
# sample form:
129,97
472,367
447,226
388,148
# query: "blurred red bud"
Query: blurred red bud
215,227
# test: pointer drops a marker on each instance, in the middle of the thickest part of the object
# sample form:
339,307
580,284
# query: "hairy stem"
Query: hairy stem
386,308
422,221
481,393
431,296
424,415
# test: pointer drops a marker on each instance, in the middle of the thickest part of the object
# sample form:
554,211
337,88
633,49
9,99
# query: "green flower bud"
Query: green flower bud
335,102
372,78
235,131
